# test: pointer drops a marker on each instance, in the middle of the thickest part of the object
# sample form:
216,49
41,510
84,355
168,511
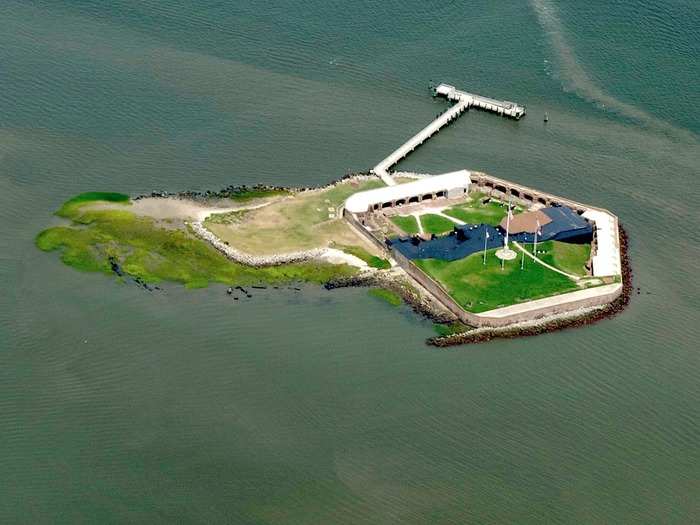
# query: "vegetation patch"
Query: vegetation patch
71,206
476,211
455,327
407,223
359,252
243,194
436,224
309,219
478,287
389,296
144,250
569,258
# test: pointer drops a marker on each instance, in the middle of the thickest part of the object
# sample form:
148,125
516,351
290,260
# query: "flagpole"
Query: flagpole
534,249
486,238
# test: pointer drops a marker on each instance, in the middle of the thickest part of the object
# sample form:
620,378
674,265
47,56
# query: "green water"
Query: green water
123,406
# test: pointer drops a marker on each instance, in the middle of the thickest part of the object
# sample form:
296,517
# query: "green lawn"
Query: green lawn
407,223
436,224
570,258
145,250
474,212
478,287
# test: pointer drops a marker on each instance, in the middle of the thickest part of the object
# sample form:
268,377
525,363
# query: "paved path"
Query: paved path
535,258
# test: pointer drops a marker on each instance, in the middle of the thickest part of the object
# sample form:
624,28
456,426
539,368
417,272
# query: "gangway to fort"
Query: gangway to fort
463,101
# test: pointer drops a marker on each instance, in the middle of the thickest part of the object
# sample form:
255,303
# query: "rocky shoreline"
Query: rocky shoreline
253,260
382,279
230,192
419,303
572,320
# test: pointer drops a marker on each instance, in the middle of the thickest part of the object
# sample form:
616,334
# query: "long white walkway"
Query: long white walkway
382,169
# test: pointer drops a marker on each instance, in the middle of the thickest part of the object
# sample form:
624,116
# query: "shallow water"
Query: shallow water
122,405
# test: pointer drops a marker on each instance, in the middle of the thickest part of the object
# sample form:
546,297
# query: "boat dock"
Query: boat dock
463,101
501,107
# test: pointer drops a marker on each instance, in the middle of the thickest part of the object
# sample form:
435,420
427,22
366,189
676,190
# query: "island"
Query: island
481,256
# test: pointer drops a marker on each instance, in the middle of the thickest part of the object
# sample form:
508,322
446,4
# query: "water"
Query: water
117,405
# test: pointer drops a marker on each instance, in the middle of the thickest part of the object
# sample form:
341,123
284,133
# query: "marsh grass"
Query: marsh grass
154,254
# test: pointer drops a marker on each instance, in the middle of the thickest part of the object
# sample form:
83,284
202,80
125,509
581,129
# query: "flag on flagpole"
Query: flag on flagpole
486,238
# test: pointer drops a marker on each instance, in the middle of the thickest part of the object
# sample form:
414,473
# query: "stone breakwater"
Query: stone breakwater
230,192
421,304
254,260
571,320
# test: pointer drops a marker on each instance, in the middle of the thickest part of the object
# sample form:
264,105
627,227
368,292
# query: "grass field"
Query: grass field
478,287
474,212
146,250
436,224
298,222
407,223
570,258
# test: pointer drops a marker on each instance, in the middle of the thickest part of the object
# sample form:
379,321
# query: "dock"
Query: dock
500,107
463,101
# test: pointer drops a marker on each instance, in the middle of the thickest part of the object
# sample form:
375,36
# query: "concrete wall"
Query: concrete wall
529,311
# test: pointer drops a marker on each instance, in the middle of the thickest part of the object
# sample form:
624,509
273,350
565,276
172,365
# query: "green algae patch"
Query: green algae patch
71,207
143,249
388,296
455,327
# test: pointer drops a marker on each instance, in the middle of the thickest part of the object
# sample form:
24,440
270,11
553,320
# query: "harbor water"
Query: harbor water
118,405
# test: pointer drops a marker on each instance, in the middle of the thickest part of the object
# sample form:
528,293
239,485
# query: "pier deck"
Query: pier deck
463,101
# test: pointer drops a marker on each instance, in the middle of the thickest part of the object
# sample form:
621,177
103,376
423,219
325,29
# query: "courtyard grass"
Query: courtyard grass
570,258
475,212
301,221
436,224
478,287
145,250
407,223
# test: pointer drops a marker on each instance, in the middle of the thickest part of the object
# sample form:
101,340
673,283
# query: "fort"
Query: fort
491,257
371,213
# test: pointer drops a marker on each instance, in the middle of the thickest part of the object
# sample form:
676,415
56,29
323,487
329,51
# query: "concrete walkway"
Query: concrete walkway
575,278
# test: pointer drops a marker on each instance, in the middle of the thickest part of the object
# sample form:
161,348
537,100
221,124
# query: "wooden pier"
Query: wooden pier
463,101
500,107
